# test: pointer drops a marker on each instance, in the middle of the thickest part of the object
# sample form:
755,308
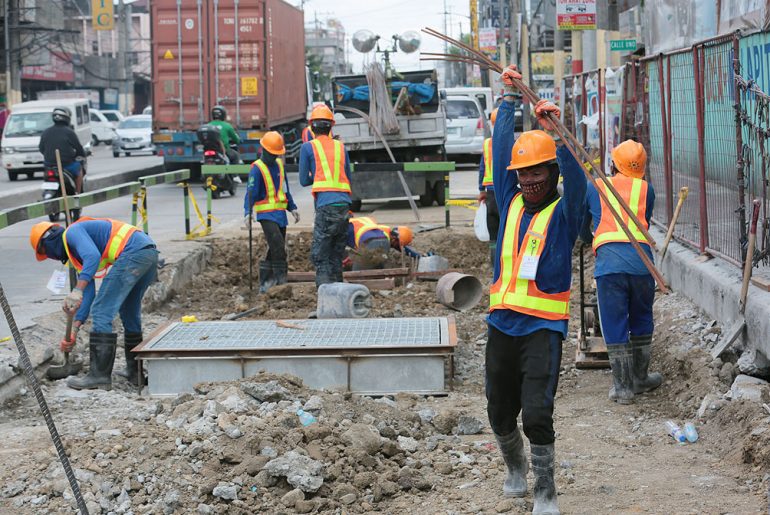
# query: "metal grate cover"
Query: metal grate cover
316,334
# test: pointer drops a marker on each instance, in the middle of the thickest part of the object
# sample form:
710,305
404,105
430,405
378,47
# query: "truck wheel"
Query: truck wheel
426,199
439,193
13,175
128,154
115,154
30,175
356,205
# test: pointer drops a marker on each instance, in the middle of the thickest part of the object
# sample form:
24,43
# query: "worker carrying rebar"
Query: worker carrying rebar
625,289
529,297
93,245
268,195
372,241
324,164
487,188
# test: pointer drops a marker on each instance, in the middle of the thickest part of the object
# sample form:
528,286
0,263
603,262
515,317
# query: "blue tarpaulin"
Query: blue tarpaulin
423,92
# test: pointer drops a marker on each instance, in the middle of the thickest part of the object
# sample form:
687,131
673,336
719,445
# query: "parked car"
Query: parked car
147,110
102,131
114,117
134,134
467,127
483,95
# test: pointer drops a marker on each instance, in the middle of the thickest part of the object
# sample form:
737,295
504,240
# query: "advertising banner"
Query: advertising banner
576,14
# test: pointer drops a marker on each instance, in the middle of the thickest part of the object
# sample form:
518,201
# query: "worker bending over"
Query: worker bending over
269,196
529,297
324,164
372,241
93,245
625,288
487,189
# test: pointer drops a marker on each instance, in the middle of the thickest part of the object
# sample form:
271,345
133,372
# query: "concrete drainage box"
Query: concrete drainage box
374,356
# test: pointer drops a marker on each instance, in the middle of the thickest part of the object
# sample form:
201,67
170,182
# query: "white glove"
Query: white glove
72,301
295,214
247,221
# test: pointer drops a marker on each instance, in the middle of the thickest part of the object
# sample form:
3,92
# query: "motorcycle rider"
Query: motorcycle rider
61,137
227,132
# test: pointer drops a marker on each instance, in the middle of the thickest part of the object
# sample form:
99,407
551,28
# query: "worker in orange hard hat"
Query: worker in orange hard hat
529,297
318,109
324,164
486,187
625,288
268,195
372,241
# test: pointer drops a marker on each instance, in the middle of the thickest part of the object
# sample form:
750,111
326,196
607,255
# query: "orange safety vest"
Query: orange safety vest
363,224
511,291
275,199
307,134
329,176
487,155
634,192
119,236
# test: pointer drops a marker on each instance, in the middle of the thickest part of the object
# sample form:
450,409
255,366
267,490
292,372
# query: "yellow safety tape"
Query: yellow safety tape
471,204
6,339
597,161
201,229
141,197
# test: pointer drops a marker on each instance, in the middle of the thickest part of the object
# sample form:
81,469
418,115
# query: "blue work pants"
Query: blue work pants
625,306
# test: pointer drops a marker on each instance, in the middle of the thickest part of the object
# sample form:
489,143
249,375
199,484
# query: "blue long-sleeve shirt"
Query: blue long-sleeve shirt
307,176
257,191
375,233
616,257
554,273
87,241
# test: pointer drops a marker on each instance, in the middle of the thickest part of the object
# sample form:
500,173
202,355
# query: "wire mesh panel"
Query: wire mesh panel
655,145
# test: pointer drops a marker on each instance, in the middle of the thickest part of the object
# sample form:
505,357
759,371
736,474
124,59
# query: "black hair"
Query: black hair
321,127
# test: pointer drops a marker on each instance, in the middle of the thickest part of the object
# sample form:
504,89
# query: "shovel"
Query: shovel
69,368
734,330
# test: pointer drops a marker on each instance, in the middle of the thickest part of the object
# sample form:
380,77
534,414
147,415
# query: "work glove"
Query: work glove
509,75
66,345
72,301
482,196
542,108
247,221
295,214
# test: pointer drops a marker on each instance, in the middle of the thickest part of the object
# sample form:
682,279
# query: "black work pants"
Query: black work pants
493,217
522,373
276,241
330,236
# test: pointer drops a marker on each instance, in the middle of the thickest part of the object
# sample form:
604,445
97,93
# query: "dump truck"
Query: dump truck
248,56
417,146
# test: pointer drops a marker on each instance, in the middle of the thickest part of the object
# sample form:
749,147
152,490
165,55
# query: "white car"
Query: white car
102,131
467,127
114,117
134,134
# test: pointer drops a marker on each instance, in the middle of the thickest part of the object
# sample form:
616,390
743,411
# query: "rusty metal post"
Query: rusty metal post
739,165
667,176
698,63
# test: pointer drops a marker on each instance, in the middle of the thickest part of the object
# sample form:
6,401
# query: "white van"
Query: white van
102,130
483,95
28,120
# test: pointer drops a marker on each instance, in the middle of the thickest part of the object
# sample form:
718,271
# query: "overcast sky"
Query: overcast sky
392,17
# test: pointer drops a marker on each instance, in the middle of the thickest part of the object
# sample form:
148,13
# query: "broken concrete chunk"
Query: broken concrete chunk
314,404
711,404
226,491
270,391
300,471
292,497
468,425
753,363
407,443
750,389
364,437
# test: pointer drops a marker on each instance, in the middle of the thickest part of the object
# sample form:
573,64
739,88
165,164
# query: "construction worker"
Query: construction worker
268,194
61,137
529,298
372,241
93,245
625,288
486,186
324,164
226,131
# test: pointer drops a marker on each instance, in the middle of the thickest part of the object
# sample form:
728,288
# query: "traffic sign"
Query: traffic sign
623,45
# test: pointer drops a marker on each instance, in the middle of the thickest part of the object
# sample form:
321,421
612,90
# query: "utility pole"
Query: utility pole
12,54
558,64
125,72
501,34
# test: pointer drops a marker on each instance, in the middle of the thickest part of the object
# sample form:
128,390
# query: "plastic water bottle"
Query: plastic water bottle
690,432
306,418
675,431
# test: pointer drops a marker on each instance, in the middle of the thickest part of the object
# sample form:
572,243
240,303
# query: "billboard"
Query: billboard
576,14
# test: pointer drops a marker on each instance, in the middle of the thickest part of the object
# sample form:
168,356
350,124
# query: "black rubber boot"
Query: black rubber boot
102,350
512,449
545,487
266,279
131,372
621,362
280,272
642,350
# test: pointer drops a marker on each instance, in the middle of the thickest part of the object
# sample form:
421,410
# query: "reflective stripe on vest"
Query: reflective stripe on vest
329,178
362,225
487,180
119,236
634,192
307,134
523,295
275,200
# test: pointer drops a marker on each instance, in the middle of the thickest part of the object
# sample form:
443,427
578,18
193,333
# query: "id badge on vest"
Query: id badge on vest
530,259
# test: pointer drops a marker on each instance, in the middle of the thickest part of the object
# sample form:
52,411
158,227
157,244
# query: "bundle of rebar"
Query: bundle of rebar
380,107
472,56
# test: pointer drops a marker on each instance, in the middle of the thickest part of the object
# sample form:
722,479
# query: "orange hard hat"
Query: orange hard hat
493,116
273,142
532,148
630,159
36,234
405,235
321,112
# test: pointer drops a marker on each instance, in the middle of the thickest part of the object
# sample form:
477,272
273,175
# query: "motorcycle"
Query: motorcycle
213,154
52,188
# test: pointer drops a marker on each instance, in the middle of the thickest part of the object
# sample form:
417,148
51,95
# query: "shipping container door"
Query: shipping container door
179,52
285,63
237,60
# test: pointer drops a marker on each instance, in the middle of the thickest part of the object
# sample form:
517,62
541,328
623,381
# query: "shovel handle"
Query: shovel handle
749,256
68,331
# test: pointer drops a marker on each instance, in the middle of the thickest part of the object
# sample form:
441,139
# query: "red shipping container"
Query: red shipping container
246,55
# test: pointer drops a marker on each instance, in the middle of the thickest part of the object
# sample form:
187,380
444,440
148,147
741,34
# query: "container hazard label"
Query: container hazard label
168,55
249,86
